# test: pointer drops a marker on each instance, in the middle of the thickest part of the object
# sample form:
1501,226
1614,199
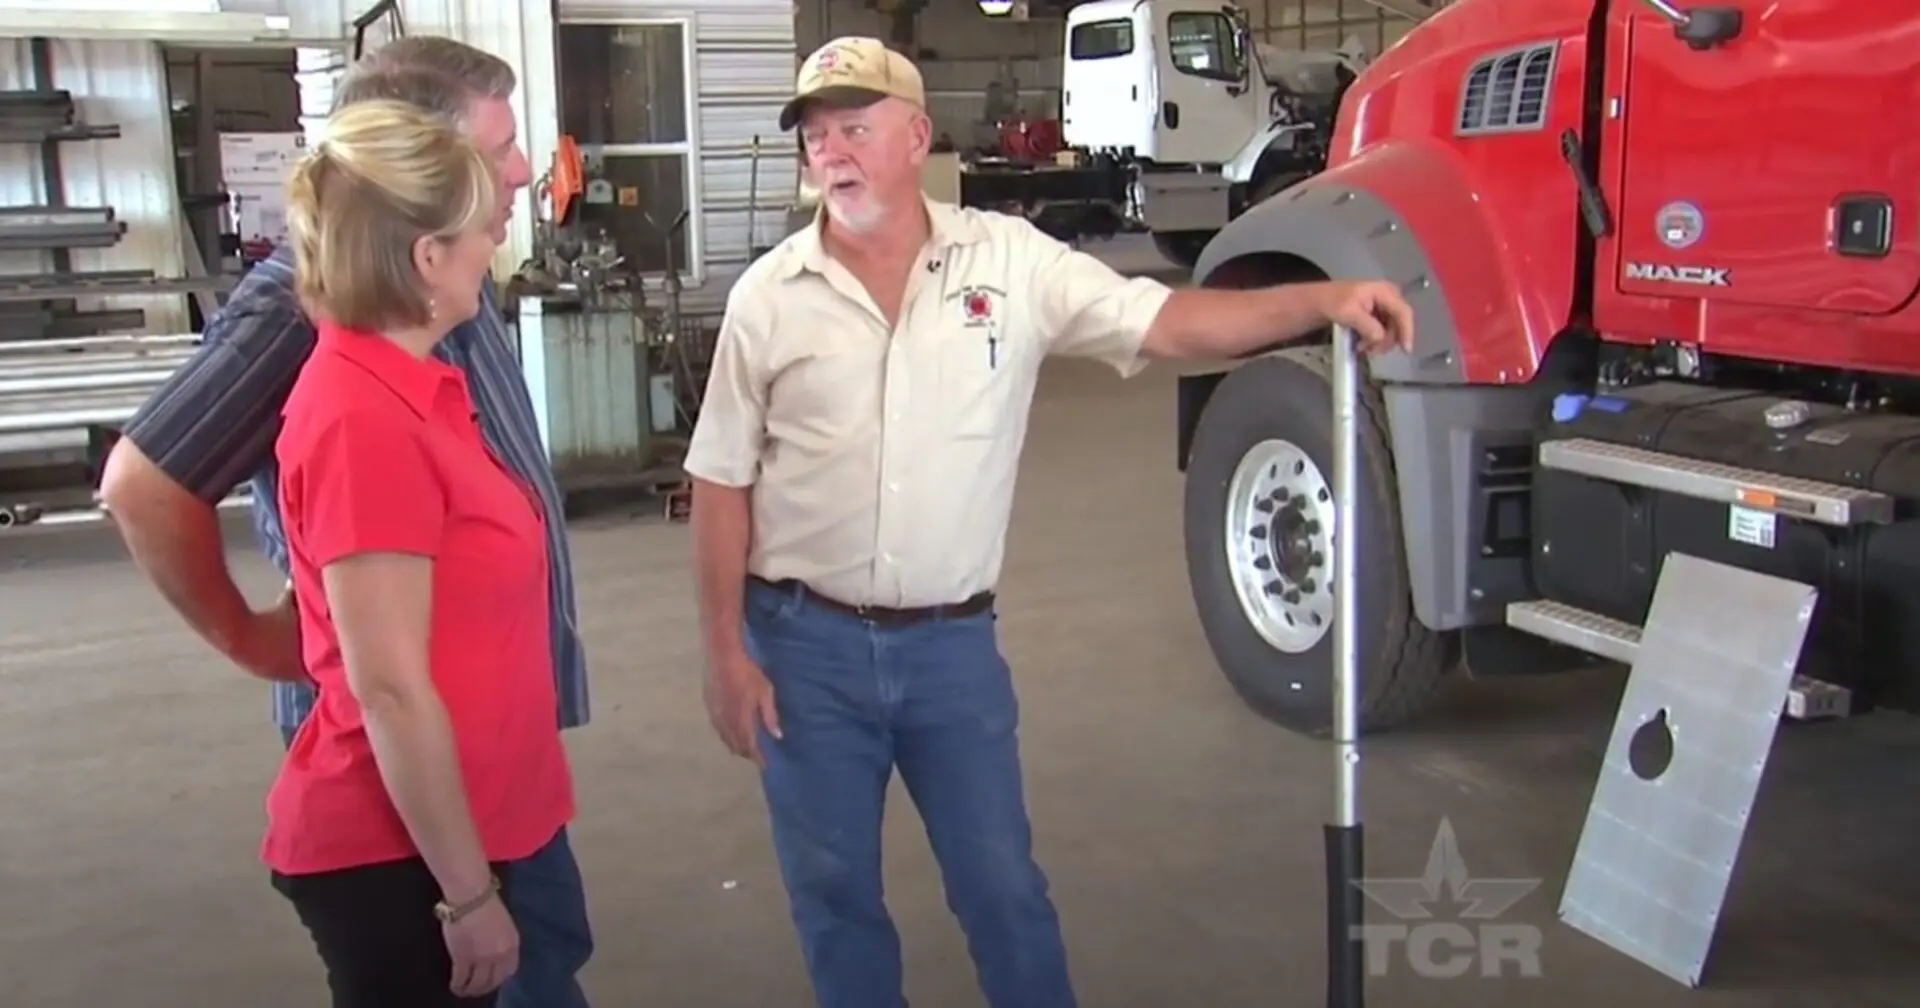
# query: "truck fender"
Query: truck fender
1348,234
1368,218
1239,170
1441,426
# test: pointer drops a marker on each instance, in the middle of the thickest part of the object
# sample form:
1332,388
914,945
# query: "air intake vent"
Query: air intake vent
1507,92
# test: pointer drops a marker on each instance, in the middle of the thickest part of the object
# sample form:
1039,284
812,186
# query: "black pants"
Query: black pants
377,935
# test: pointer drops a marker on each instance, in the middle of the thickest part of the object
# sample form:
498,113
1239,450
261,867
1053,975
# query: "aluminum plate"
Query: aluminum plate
1715,661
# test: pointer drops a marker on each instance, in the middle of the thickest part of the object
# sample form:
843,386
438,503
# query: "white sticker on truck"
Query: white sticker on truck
1755,528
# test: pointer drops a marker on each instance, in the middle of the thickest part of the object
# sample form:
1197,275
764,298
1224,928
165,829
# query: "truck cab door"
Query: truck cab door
1777,168
1209,103
1106,86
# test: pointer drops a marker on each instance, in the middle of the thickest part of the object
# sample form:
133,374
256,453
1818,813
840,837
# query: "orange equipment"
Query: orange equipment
565,180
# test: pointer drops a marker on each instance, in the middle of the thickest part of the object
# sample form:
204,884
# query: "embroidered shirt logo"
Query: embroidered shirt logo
978,306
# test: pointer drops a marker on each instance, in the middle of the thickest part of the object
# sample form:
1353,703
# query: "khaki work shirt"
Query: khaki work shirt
882,462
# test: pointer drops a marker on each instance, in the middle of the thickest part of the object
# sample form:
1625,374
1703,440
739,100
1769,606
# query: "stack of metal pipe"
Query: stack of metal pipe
59,385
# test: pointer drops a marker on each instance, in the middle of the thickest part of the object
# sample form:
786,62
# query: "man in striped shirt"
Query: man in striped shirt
213,425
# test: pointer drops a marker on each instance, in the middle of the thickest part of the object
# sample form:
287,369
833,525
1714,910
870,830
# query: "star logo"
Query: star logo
1446,875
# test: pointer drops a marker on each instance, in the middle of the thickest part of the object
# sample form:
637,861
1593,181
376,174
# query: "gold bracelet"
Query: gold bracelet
450,913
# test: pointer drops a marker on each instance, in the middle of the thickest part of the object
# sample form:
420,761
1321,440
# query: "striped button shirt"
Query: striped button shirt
213,423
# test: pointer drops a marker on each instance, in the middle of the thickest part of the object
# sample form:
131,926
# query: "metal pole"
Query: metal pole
1346,952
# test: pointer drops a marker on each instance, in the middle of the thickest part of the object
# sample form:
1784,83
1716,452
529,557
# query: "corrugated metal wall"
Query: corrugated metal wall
745,66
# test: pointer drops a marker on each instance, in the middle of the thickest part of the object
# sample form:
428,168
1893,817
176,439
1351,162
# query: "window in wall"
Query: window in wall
623,99
1100,40
1203,45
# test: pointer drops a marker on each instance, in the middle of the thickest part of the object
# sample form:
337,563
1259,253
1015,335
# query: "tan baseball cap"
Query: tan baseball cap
853,71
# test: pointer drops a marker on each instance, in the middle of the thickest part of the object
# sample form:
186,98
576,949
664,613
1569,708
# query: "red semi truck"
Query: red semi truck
1665,261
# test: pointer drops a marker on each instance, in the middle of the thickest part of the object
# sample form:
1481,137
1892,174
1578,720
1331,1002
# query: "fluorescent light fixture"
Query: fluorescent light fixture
996,8
62,22
123,6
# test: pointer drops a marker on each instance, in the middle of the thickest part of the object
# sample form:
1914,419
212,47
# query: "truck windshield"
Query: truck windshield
1100,40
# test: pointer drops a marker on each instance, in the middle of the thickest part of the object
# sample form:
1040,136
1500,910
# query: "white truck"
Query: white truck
1175,121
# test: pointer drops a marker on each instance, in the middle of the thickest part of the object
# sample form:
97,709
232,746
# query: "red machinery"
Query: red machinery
1029,139
1665,272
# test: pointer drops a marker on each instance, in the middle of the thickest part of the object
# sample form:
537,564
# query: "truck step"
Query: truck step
1577,628
1807,699
1826,503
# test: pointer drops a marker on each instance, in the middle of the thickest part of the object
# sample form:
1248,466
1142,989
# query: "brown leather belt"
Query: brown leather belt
883,615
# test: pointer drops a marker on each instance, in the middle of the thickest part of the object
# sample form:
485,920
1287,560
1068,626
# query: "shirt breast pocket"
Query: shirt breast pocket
826,386
494,521
981,374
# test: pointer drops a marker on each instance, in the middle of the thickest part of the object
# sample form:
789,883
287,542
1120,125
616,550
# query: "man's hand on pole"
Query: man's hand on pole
1380,318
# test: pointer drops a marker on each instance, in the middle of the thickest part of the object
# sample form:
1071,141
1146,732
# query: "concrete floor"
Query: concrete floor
1182,833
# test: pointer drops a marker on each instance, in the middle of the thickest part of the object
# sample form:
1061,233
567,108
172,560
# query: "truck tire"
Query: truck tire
1258,523
1182,248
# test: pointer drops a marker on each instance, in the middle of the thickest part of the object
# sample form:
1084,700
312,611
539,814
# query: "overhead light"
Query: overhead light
162,25
996,8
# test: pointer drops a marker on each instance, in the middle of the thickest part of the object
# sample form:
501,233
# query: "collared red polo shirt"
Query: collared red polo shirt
380,452
213,423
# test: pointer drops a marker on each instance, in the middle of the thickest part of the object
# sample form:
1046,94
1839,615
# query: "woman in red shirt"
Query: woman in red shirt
431,762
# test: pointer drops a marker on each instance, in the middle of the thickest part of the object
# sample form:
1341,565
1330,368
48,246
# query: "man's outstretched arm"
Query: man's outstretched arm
1087,309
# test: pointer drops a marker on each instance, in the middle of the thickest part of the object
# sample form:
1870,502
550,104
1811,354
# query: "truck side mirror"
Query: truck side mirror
1242,44
1701,28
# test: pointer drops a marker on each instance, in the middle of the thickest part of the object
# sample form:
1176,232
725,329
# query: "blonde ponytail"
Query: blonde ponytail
383,175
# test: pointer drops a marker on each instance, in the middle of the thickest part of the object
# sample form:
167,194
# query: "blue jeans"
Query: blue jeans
548,901
936,700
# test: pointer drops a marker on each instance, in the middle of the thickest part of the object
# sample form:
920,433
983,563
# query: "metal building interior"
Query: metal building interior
144,146
699,141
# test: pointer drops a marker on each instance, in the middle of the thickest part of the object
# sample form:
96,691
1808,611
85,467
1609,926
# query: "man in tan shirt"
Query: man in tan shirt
853,470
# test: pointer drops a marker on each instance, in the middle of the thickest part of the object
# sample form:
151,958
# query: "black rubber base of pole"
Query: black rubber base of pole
1346,909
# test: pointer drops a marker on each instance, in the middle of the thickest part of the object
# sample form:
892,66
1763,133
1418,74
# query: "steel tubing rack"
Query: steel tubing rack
61,385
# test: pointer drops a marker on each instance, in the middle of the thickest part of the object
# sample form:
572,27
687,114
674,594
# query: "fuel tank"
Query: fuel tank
1599,545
